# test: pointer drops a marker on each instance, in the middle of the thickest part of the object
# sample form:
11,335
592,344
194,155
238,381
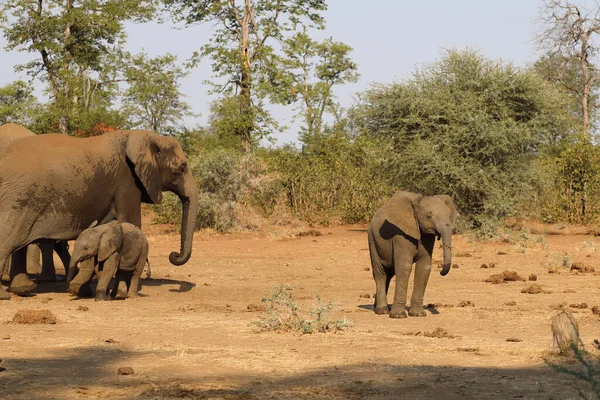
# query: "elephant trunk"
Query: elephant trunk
447,247
78,277
189,201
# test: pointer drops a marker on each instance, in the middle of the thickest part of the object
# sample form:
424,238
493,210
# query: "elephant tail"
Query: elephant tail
148,271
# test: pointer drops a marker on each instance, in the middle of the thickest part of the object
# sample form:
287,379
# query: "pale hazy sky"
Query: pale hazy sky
390,39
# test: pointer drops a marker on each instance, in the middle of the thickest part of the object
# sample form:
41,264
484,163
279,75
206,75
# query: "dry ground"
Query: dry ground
190,335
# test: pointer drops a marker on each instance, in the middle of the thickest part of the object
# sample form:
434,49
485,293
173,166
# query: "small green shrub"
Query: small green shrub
285,315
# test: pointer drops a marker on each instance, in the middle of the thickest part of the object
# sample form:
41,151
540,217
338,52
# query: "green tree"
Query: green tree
153,99
469,127
242,49
17,103
77,44
312,69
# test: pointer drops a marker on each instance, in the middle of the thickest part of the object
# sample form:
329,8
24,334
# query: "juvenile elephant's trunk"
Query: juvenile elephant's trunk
189,201
447,247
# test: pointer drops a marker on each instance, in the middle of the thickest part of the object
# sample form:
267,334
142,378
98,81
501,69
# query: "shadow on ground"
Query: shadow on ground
91,372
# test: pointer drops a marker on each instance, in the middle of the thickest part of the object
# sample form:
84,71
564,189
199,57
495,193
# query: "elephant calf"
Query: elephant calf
109,249
401,233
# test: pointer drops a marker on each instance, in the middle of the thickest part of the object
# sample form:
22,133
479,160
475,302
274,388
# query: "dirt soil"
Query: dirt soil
190,334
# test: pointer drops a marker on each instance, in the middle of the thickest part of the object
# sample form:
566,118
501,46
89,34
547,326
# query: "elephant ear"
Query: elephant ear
111,240
143,150
400,211
450,203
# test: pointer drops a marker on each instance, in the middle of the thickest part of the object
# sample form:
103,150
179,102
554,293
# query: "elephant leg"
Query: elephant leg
61,247
5,275
134,287
19,281
381,276
422,272
109,269
121,288
79,284
48,273
402,267
33,259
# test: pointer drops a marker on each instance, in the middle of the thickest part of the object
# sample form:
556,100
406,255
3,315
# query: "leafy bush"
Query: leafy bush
468,127
285,315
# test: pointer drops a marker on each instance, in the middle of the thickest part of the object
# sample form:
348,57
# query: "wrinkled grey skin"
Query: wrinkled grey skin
47,272
401,233
115,247
54,186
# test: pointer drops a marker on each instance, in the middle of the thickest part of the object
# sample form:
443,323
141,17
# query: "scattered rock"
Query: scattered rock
582,306
463,254
466,303
514,340
438,305
506,276
559,306
492,265
365,296
569,291
367,269
580,267
596,310
125,371
439,333
533,289
510,303
6,336
228,305
34,317
454,265
533,277
110,341
501,253
256,307
483,266
206,284
82,308
553,270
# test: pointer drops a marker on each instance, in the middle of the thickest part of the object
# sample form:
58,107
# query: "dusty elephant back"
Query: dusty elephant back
10,132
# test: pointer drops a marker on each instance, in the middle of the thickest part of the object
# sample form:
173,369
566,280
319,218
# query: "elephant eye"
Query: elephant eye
183,168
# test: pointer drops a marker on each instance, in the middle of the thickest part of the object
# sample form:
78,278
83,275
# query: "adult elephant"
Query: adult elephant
55,186
401,233
47,272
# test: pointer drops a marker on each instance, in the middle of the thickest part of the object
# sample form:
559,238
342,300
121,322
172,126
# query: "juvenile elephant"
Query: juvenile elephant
9,133
54,186
115,247
401,233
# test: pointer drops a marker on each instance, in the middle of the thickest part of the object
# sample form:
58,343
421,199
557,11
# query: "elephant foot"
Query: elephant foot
21,284
5,277
101,295
398,314
417,312
120,292
4,295
382,310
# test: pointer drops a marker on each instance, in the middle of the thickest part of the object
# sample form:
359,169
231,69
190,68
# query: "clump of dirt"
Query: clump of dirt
125,371
474,350
492,265
462,254
484,266
34,317
510,303
514,340
439,333
253,307
554,270
466,303
82,308
506,276
580,267
596,310
439,305
533,289
310,232
365,296
533,277
582,306
454,265
501,253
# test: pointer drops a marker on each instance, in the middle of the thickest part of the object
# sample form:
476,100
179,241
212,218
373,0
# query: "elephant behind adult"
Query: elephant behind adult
9,133
403,232
55,186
